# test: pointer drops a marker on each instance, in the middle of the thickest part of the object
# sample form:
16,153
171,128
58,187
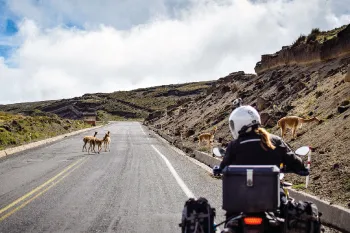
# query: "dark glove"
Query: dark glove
216,170
304,172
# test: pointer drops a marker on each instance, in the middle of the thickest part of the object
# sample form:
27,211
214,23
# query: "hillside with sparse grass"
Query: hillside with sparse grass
16,129
316,35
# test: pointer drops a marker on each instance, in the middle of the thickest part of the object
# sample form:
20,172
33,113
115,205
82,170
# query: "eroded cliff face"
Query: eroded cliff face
308,53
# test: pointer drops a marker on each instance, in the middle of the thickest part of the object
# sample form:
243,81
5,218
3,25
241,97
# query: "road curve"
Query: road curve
59,188
141,185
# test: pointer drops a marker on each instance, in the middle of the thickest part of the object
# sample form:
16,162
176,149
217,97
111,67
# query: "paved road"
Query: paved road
59,188
132,188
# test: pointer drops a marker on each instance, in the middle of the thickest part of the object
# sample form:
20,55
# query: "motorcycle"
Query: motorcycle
246,194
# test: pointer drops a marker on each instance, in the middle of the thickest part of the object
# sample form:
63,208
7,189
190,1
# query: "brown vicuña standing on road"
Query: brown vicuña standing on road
107,141
87,139
209,137
97,142
293,122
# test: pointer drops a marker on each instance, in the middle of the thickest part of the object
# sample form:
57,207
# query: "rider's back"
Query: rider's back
249,149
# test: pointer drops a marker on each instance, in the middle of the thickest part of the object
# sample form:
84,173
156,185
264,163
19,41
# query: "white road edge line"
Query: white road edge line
144,132
181,183
180,152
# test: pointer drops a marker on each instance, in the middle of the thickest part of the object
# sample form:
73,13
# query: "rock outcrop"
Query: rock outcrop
347,76
307,53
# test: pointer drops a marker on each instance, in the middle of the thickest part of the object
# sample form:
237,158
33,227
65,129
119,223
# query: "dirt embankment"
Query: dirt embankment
317,47
316,89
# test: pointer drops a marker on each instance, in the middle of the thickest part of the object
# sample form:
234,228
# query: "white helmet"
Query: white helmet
242,118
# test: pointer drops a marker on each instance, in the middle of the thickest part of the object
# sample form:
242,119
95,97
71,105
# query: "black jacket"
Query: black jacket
247,150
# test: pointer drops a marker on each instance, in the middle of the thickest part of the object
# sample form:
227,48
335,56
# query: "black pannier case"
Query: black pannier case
250,188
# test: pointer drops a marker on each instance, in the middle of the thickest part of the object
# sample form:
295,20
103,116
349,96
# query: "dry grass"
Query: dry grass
319,36
17,129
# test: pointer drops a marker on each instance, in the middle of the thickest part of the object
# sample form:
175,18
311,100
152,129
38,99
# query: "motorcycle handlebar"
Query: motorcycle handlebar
304,172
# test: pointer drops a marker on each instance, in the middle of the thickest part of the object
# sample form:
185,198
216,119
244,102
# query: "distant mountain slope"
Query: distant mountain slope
121,104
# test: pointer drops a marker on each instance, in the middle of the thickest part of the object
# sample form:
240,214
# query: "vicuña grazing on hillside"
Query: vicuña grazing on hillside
87,139
209,137
107,141
293,122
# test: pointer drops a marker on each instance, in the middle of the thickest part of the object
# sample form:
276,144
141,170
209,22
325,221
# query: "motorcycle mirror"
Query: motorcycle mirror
237,102
302,151
281,176
218,152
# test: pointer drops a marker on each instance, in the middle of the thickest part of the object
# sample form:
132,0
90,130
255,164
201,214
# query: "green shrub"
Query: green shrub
315,31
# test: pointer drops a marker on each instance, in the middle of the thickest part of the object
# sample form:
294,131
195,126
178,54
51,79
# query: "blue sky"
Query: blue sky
8,29
59,49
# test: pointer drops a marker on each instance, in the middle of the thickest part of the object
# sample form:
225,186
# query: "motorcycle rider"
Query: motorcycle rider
253,145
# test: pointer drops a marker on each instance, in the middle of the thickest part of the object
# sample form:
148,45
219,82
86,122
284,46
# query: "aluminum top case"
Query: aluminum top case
251,188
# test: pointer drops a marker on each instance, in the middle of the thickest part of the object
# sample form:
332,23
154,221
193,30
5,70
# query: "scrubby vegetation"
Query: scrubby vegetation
316,35
16,129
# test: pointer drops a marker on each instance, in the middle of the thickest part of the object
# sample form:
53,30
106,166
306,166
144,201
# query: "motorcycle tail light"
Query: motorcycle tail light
253,221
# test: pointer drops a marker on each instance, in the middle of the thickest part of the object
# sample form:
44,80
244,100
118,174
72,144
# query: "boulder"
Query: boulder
262,103
224,89
234,88
298,86
264,117
189,132
347,76
342,109
177,131
182,111
280,87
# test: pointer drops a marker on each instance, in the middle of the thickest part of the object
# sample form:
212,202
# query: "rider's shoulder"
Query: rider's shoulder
233,143
275,139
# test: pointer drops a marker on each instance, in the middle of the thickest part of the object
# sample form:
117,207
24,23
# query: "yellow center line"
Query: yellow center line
39,187
39,194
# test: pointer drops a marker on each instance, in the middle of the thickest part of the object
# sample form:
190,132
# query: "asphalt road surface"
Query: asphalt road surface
141,185
59,188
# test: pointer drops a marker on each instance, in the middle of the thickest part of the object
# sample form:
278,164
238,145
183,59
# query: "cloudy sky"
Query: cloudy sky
60,49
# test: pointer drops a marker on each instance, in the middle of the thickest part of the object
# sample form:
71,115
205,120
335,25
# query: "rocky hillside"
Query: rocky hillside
306,80
136,104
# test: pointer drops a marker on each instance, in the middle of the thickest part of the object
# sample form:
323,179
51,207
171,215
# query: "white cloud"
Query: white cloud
206,42
120,14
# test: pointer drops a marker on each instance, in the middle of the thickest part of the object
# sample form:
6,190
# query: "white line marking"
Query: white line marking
143,132
182,184
191,159
180,152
